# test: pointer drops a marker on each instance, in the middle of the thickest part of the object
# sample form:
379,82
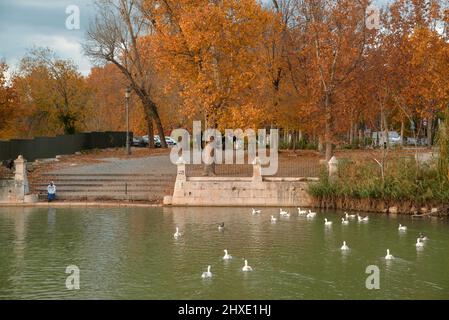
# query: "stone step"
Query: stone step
104,184
149,181
102,190
99,196
115,175
94,187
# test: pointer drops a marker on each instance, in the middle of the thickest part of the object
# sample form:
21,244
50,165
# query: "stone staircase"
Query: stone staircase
105,187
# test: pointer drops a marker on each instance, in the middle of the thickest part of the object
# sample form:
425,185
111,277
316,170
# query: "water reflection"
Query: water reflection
131,253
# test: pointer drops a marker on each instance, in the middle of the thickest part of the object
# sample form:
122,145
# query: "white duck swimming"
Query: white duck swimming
227,256
419,243
350,216
221,226
423,237
273,219
344,247
311,214
389,256
365,219
177,233
255,211
284,213
246,267
302,212
327,223
207,274
344,222
402,228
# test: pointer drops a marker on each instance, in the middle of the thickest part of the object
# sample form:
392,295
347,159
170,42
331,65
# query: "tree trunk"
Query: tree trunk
328,129
152,113
159,126
429,132
385,125
150,131
402,132
351,132
320,144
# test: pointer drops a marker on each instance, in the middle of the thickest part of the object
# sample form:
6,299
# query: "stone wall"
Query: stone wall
11,191
17,190
252,192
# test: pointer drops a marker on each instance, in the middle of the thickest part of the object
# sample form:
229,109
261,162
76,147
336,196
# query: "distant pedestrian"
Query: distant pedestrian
51,189
209,158
8,164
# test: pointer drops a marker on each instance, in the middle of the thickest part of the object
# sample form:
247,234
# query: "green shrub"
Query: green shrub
403,181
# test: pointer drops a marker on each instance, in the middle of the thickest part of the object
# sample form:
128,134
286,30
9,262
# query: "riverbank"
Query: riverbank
77,204
355,205
384,207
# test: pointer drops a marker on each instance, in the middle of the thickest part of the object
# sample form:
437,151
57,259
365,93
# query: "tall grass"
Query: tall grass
404,181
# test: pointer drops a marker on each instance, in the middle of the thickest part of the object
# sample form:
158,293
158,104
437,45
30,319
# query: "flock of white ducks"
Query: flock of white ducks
208,274
420,242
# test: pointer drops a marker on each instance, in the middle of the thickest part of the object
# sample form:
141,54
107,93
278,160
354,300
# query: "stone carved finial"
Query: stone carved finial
20,176
257,170
181,160
333,167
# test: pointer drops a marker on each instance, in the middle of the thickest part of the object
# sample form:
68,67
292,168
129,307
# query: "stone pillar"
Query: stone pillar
181,179
257,170
333,168
181,173
20,176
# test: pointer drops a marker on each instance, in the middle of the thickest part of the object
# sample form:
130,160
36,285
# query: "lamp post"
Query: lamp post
127,96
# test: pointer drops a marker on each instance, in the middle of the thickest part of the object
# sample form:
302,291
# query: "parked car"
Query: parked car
139,142
416,141
157,141
170,141
379,138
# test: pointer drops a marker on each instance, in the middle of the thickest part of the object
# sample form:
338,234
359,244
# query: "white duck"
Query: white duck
423,237
227,256
311,214
402,228
344,222
327,223
246,267
273,219
365,219
302,212
177,233
284,213
350,216
207,274
221,226
419,243
389,256
344,247
255,211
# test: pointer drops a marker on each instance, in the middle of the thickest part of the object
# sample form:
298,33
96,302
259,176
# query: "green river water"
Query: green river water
130,253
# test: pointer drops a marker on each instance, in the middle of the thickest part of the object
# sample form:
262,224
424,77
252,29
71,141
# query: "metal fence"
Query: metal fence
294,169
49,147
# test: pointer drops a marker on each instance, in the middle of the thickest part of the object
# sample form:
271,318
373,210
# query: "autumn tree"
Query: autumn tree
210,51
7,103
52,94
114,37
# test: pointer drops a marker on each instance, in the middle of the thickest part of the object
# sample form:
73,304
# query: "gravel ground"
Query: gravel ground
158,164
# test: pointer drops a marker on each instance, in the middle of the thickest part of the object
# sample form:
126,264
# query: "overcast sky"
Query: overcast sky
28,23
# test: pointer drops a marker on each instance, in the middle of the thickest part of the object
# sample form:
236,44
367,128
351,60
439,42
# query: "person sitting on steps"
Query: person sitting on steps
51,189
